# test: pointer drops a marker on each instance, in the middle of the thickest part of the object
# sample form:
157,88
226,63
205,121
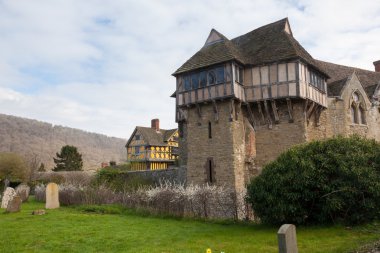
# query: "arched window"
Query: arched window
354,116
362,115
357,109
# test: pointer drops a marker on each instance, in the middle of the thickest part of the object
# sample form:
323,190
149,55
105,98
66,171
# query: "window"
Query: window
203,79
211,78
239,74
220,75
210,170
357,108
137,137
354,116
187,83
362,115
209,130
137,150
194,81
210,179
317,81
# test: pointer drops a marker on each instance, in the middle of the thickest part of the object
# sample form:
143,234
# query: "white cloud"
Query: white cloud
106,66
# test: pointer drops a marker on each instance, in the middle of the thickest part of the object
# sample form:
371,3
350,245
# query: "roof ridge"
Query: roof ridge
354,68
262,27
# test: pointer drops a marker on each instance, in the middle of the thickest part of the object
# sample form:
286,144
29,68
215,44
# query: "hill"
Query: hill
40,141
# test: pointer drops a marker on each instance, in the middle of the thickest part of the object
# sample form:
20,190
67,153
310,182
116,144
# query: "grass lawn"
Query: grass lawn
74,230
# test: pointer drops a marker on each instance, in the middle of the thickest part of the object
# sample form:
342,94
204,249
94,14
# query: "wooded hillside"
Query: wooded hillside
41,141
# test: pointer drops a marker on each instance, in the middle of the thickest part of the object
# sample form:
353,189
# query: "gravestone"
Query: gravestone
52,196
14,205
287,239
8,195
23,191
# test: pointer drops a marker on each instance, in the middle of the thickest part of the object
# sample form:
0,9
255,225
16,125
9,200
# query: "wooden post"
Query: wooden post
251,116
275,112
269,120
261,111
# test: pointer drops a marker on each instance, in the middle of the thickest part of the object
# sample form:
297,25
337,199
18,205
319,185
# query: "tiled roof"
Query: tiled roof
269,43
153,137
214,53
334,89
368,79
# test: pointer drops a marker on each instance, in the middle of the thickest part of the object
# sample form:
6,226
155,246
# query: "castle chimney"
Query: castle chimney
377,66
156,124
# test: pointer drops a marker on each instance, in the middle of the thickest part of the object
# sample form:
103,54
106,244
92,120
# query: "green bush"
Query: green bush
336,180
120,179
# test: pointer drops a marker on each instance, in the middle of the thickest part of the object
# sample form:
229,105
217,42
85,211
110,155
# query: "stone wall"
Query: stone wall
226,148
174,175
272,140
337,120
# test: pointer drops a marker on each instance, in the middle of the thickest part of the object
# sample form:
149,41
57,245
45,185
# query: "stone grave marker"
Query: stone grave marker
52,196
287,239
8,195
14,205
23,191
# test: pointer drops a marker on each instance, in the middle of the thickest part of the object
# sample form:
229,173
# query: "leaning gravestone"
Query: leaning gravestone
8,195
14,205
52,196
23,191
287,239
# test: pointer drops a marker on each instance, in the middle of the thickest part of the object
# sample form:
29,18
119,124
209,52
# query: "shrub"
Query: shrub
13,168
208,201
336,180
120,179
79,195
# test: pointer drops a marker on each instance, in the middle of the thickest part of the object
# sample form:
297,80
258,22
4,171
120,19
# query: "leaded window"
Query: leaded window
194,81
220,75
203,79
211,78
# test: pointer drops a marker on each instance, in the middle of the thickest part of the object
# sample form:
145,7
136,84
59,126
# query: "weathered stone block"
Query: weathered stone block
23,191
52,196
14,205
8,195
287,239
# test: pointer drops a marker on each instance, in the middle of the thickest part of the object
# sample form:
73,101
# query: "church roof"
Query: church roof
338,73
270,43
153,137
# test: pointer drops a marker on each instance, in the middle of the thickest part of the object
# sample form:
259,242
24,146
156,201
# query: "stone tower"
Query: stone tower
241,102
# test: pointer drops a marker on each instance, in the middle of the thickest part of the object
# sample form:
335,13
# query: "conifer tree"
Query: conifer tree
69,159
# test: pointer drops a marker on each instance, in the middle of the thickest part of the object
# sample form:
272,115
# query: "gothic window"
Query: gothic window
362,115
357,109
354,118
211,78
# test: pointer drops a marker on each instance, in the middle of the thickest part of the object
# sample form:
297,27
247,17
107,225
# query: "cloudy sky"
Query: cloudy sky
105,66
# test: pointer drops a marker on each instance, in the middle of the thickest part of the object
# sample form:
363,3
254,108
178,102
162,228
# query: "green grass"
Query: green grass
112,229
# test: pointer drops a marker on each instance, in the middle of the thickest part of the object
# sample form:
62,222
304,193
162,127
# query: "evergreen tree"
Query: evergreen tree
68,159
